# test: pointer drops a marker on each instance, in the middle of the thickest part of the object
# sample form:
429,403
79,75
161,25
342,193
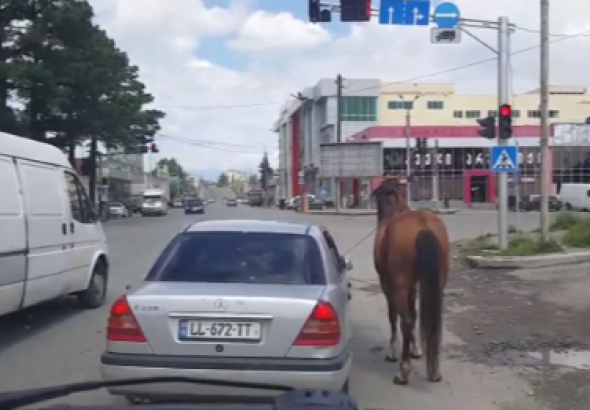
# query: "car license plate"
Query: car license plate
216,330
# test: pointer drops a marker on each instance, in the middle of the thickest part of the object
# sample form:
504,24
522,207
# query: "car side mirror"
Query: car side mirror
347,263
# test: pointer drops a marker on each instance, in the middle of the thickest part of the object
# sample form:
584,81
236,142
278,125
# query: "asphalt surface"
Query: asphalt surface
57,343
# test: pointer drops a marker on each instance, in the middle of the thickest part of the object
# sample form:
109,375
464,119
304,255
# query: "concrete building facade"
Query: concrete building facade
440,105
307,122
436,112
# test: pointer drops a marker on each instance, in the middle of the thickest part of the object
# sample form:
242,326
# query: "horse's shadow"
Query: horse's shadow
370,349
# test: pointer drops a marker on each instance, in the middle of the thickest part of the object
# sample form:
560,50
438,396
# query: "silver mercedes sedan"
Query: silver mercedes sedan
235,300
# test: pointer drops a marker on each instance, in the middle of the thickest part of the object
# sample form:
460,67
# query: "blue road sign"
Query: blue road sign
404,12
301,181
447,15
504,159
587,120
323,192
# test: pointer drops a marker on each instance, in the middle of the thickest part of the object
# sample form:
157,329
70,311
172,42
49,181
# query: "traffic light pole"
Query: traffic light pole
408,156
503,98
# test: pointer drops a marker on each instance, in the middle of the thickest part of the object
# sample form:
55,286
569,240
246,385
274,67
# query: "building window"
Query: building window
534,114
472,114
435,105
553,114
515,114
492,113
359,108
400,105
457,114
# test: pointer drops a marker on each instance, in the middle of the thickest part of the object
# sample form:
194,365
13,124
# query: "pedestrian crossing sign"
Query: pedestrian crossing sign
504,159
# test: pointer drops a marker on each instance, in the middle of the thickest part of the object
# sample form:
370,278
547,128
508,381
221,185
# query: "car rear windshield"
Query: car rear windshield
240,257
193,202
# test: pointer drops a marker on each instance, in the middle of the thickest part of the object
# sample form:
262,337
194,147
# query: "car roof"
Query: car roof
251,225
19,147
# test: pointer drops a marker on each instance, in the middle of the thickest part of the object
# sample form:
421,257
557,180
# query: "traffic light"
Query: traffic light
488,129
505,122
316,14
352,11
154,148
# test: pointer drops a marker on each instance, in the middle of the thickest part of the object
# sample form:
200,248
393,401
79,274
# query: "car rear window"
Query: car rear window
240,257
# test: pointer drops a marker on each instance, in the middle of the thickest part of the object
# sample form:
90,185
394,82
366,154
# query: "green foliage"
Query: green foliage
223,180
526,245
566,220
578,234
73,82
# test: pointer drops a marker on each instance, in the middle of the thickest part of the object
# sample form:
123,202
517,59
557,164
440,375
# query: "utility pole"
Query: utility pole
503,98
336,181
544,140
408,133
435,176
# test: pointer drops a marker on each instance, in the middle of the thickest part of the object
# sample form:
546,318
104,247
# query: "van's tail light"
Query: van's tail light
122,325
322,329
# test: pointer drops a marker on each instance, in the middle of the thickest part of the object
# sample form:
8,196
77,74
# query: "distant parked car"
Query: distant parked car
118,209
533,203
231,202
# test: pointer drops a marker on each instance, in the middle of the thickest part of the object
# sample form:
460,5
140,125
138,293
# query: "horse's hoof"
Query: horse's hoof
399,380
435,379
390,358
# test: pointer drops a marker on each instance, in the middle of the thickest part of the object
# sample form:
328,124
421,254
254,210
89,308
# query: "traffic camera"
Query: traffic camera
352,11
505,122
488,129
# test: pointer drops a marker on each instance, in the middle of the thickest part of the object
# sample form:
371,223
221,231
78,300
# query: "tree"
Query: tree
265,171
252,180
75,85
223,180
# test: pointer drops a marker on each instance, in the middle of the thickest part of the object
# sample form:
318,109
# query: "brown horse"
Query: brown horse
411,248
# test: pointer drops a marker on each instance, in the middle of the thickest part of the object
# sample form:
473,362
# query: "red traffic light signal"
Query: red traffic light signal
154,148
505,110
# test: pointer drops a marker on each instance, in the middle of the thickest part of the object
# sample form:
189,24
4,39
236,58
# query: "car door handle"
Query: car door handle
64,228
71,227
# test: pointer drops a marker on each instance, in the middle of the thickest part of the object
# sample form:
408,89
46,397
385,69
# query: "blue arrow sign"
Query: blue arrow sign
301,181
587,120
447,15
504,159
404,13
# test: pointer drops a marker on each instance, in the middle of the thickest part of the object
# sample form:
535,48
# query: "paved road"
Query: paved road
57,343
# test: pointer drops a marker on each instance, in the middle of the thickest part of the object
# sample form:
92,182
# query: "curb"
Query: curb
526,262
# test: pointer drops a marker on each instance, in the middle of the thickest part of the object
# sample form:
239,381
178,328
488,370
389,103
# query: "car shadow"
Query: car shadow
26,323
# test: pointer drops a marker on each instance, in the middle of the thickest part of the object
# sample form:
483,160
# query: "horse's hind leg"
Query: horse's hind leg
392,312
405,366
415,351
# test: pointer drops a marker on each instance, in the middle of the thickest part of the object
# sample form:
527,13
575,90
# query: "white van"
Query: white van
155,202
575,196
51,243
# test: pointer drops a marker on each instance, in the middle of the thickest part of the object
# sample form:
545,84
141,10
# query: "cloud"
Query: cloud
233,94
279,33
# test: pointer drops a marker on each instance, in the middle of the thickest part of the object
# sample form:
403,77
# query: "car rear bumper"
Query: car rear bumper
331,374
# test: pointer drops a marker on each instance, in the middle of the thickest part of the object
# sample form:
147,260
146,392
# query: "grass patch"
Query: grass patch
482,244
513,229
523,245
566,220
578,235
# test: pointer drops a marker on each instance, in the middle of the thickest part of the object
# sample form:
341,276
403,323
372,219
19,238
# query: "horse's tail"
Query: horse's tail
428,268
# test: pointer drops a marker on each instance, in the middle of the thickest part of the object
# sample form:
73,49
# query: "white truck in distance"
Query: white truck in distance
155,202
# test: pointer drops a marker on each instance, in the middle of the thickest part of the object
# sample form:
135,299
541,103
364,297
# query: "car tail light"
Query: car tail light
122,325
321,329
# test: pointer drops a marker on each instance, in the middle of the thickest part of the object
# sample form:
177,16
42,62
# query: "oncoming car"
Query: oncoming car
262,301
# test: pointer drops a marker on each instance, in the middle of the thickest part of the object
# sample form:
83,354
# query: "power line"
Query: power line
211,144
559,38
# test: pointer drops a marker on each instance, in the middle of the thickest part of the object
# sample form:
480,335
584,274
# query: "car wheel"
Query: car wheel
96,294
